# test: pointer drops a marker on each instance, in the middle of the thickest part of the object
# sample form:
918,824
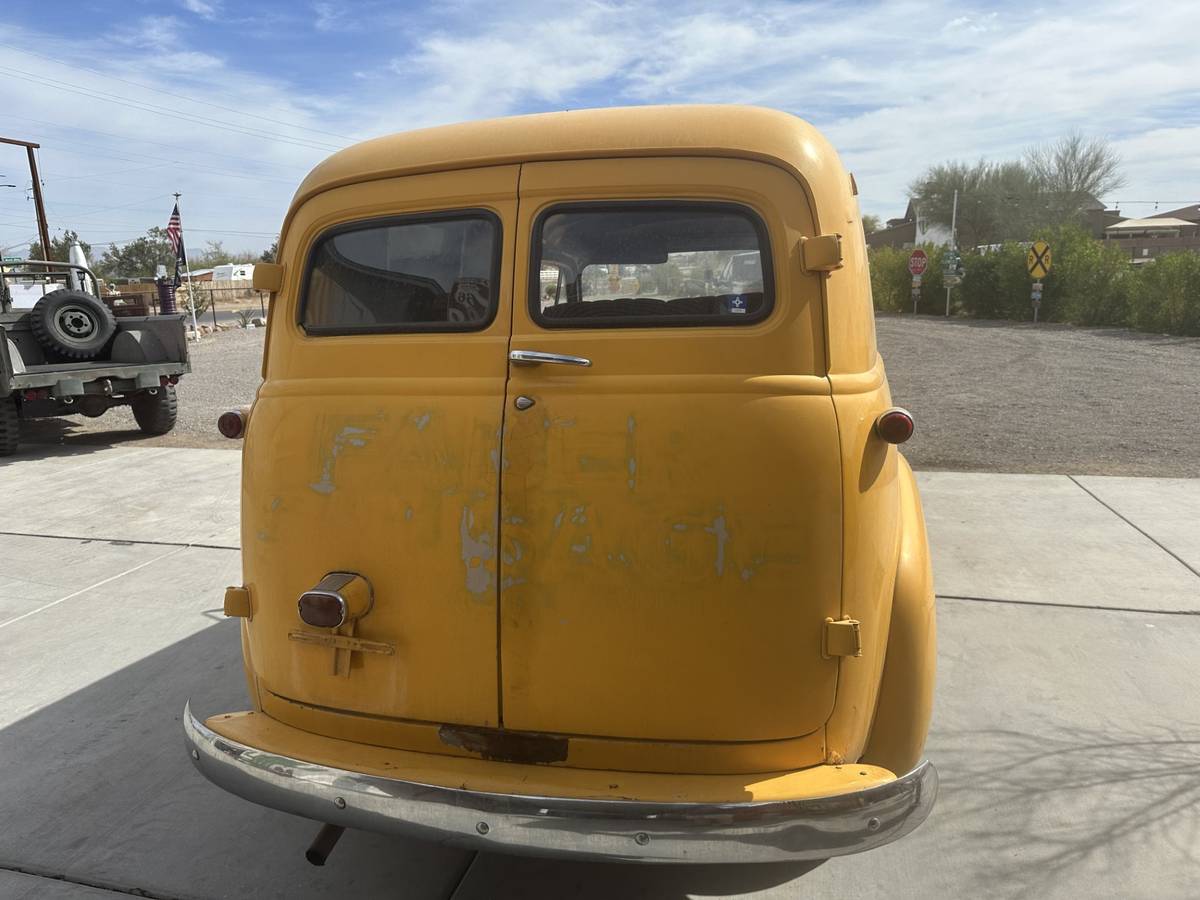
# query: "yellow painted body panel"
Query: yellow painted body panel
669,521
379,454
905,703
269,736
871,534
642,562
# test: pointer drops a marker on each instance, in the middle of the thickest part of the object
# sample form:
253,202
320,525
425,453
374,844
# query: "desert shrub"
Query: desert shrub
1164,295
891,283
1089,281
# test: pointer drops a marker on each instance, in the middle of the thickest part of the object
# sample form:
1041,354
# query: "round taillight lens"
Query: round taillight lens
232,424
322,610
894,425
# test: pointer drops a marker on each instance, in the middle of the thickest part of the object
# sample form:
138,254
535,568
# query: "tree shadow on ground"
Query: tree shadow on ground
1045,809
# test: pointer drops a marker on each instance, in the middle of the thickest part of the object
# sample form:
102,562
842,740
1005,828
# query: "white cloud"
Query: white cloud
894,89
897,85
202,8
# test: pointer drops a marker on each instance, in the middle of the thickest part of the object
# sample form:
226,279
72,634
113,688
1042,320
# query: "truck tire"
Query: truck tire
72,324
155,413
10,426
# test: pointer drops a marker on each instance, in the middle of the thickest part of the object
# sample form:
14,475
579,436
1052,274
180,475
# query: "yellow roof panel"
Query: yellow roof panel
738,131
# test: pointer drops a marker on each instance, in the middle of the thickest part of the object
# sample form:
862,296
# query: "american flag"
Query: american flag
175,236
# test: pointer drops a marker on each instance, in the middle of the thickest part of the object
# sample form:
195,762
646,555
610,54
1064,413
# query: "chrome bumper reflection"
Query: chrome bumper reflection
548,826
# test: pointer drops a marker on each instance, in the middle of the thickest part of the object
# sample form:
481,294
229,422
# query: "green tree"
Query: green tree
1010,201
60,247
870,223
268,255
139,258
996,201
1072,172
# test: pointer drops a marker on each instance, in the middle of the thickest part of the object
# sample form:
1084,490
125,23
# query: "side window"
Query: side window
421,273
614,265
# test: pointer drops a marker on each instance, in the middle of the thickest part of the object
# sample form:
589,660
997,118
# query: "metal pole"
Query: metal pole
39,205
187,268
953,242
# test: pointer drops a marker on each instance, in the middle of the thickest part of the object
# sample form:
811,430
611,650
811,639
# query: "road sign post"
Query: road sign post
918,261
1037,262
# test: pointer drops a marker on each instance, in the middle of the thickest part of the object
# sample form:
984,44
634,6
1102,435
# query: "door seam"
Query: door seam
512,312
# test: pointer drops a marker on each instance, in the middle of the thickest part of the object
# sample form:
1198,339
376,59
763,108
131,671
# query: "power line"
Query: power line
104,96
173,94
142,140
191,166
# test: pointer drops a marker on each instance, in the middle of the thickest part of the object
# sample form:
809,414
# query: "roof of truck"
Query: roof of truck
736,131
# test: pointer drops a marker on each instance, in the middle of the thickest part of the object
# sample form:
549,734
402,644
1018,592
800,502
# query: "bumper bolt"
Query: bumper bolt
872,824
339,802
641,838
482,828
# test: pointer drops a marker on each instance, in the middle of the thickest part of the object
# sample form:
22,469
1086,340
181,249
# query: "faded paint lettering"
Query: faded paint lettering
350,436
476,553
718,530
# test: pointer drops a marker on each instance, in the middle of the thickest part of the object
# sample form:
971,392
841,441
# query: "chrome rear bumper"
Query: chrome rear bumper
793,830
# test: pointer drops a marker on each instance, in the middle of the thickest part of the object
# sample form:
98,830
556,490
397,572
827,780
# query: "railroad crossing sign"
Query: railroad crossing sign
1038,259
917,262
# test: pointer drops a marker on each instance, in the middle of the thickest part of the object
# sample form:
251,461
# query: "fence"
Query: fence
207,294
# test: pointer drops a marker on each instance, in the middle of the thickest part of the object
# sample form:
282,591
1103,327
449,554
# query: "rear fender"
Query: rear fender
905,701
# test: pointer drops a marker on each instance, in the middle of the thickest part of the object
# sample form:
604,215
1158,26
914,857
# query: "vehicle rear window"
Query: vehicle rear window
431,273
650,264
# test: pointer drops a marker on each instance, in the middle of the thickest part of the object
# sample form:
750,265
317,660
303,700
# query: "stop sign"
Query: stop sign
917,262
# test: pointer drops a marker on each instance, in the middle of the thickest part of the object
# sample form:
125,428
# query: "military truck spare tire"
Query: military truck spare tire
72,324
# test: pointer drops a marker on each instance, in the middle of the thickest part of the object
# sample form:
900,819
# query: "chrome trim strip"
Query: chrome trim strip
776,831
537,357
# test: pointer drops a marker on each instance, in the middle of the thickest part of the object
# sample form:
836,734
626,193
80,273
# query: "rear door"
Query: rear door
670,512
374,445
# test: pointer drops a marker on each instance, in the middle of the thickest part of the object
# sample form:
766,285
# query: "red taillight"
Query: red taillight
232,424
894,425
321,610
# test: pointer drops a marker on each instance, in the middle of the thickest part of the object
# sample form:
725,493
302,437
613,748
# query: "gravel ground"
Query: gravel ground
987,396
1011,397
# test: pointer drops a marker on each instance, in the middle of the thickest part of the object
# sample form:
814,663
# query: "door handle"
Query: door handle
537,357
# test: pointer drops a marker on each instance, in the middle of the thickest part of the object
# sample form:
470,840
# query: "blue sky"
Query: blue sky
260,92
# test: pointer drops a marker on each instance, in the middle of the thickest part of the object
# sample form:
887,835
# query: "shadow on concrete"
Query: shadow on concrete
56,437
107,797
1077,801
498,877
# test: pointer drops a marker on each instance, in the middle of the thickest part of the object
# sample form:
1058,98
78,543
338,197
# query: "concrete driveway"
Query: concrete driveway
1067,727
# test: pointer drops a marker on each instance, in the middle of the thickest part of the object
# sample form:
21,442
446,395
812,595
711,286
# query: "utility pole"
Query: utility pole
39,205
187,268
953,242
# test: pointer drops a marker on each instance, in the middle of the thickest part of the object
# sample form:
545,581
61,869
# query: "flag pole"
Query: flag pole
188,269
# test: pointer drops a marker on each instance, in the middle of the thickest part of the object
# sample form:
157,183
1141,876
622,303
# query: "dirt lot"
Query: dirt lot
1009,397
992,396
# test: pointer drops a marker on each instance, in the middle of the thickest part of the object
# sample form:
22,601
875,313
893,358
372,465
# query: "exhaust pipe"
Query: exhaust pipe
326,839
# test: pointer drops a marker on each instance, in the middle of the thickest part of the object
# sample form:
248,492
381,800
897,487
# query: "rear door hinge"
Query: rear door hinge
841,637
822,253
